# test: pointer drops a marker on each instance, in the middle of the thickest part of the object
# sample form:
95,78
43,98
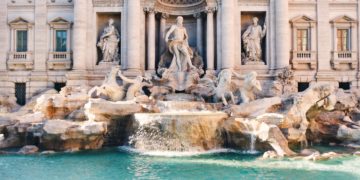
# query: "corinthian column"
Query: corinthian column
162,32
282,41
199,32
134,35
80,11
227,34
151,39
210,39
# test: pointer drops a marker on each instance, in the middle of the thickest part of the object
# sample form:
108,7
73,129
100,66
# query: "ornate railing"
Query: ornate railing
59,60
340,58
20,60
301,58
53,56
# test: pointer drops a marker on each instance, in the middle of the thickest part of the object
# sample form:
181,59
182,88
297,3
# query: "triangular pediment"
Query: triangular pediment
343,19
59,20
19,20
302,19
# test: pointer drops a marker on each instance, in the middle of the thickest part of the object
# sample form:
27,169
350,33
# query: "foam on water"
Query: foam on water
350,165
182,154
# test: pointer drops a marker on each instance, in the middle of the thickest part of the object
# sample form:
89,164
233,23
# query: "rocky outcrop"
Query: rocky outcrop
102,110
58,106
62,135
255,108
8,103
254,134
296,108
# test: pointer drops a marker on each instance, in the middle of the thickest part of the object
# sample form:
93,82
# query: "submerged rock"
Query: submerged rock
29,149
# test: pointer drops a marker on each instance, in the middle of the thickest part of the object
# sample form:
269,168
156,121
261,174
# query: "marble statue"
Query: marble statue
178,46
110,89
135,86
109,43
223,89
250,87
252,41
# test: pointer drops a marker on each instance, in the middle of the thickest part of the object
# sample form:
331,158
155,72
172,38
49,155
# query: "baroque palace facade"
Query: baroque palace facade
53,43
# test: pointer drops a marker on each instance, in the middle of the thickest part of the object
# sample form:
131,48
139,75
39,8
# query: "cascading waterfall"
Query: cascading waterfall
177,130
253,133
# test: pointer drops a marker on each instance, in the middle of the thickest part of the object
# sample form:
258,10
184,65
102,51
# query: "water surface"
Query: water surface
115,163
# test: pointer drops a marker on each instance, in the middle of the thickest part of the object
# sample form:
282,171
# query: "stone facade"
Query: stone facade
318,39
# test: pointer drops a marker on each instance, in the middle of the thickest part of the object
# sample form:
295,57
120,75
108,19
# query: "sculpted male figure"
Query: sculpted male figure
252,40
179,46
108,43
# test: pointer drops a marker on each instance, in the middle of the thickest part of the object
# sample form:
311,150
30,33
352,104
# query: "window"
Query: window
59,86
302,86
20,93
303,40
343,40
21,40
61,40
345,85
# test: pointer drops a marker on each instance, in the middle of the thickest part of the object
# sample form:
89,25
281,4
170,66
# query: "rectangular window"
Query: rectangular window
302,86
59,86
343,40
20,93
21,40
345,85
303,40
61,40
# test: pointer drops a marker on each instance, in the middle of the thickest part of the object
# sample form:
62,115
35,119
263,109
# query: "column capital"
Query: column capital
198,15
164,15
210,9
150,10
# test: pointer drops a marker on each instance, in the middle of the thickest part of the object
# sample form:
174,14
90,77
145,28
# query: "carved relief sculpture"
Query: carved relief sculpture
109,43
252,41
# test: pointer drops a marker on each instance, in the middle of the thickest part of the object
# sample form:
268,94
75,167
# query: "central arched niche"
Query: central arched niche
180,7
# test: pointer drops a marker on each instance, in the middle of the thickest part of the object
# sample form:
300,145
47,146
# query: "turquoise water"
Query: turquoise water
114,163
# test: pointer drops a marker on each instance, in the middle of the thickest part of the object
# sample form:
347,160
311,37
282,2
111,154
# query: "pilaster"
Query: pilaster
134,36
227,34
324,42
4,35
282,41
40,36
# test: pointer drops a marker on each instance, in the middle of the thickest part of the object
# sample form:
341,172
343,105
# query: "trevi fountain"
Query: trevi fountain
183,119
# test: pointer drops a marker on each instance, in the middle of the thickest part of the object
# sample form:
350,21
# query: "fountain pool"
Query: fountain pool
121,163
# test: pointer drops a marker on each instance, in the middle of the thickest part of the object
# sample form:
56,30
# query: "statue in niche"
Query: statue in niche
252,41
178,46
109,43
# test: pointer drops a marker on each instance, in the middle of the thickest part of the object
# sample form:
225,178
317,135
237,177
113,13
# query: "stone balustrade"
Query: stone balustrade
20,60
59,60
340,58
300,58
